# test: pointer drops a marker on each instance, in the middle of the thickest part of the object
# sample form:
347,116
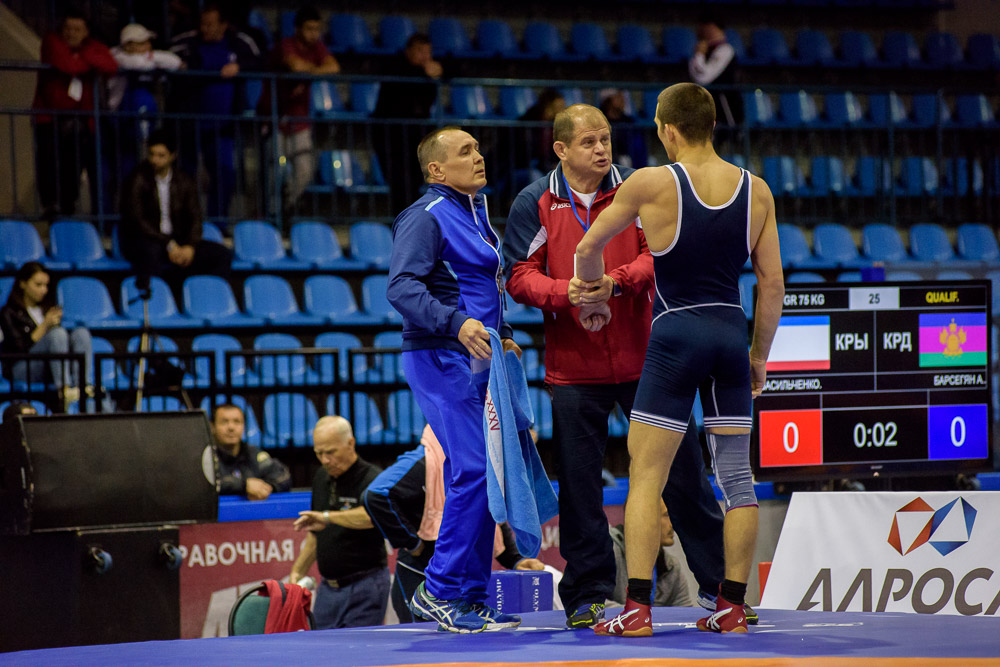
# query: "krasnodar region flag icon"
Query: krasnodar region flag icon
911,526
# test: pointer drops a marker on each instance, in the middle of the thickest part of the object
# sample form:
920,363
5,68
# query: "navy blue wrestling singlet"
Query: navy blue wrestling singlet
699,333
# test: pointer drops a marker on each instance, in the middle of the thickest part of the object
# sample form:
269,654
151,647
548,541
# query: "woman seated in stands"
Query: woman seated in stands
31,324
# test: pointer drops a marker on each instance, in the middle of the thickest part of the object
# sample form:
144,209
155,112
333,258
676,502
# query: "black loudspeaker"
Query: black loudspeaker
77,587
82,471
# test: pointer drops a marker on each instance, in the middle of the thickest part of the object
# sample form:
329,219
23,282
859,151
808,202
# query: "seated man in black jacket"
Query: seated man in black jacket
243,469
160,228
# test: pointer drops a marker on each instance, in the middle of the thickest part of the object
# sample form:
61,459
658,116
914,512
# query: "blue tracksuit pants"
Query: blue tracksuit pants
452,400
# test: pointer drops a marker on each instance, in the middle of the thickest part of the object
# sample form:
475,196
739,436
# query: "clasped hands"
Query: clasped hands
592,298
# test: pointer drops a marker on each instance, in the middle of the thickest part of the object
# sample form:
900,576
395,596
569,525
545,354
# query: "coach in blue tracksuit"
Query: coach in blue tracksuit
446,279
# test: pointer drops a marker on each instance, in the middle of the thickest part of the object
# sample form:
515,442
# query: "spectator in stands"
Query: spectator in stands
244,470
630,141
160,228
218,48
670,589
354,587
16,408
538,140
64,142
406,502
405,100
714,64
31,323
302,53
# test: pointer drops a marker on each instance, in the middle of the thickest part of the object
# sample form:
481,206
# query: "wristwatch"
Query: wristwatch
616,289
326,516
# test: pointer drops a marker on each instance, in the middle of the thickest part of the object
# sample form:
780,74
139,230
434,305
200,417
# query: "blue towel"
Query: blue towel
519,490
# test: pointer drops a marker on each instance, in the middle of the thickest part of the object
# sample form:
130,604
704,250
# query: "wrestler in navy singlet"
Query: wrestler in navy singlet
699,332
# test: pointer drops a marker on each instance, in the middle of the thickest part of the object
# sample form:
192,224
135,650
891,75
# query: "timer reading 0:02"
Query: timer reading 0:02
877,435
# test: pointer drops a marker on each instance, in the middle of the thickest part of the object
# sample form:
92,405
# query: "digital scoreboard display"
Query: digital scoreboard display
873,379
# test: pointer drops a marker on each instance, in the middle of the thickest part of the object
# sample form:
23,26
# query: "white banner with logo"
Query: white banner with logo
916,552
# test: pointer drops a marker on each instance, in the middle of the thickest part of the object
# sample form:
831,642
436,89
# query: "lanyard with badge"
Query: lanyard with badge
572,205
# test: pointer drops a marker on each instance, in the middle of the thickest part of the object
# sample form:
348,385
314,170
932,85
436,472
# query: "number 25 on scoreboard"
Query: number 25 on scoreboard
791,438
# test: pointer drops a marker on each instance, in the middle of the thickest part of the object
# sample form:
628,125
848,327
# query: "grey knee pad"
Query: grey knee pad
731,460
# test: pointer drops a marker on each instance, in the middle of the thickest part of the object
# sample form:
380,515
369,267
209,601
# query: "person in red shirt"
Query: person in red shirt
302,53
64,142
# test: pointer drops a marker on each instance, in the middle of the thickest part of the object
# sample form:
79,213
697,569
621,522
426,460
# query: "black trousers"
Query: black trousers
409,575
580,421
149,258
63,149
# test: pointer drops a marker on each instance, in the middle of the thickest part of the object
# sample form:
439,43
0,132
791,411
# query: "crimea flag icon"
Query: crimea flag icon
953,339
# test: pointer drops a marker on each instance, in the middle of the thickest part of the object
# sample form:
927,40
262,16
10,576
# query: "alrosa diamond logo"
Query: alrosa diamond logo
946,529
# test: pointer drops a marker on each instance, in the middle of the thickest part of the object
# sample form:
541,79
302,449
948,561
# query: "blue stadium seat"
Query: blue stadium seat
77,242
271,298
804,277
161,404
85,301
281,369
325,100
289,419
636,44
20,243
371,242
904,276
826,177
331,298
163,313
918,177
746,284
783,175
315,244
849,277
984,51
353,171
496,38
470,102
517,314
871,176
882,243
449,38
542,40
364,97
159,343
942,51
928,110
678,43
734,40
899,49
251,429
974,111
386,366
375,302
343,343
768,47
813,48
929,243
257,246
857,49
515,101
107,370
349,33
405,420
393,31
531,360
794,247
952,274
833,244
210,232
363,414
6,285
759,108
541,406
978,242
955,177
220,344
797,109
286,24
590,43
885,108
211,298
842,110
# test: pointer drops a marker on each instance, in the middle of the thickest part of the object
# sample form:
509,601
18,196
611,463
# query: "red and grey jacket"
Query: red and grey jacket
539,242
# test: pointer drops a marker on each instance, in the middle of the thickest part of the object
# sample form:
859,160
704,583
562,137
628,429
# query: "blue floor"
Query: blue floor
781,634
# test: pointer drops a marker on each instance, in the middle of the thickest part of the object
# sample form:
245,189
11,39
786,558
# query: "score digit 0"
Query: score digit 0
791,446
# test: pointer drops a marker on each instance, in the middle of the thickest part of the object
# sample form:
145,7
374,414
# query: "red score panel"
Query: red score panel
791,438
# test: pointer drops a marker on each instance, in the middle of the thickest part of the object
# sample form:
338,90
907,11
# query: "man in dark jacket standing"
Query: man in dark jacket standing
244,470
160,229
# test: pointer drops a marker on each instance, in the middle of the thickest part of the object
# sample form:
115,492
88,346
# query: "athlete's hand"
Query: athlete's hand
758,374
579,290
595,317
475,338
602,292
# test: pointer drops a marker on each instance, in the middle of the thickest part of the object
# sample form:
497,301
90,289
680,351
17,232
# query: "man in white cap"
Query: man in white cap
136,53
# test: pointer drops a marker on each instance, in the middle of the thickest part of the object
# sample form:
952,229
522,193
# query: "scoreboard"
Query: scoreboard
870,379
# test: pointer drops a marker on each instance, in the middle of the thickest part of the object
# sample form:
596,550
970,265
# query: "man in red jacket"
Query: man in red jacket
64,142
588,372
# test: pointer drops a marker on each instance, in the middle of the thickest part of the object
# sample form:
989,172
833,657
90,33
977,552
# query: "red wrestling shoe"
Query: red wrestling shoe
635,621
728,617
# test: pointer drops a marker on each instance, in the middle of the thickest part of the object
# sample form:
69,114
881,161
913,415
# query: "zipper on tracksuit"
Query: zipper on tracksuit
498,275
